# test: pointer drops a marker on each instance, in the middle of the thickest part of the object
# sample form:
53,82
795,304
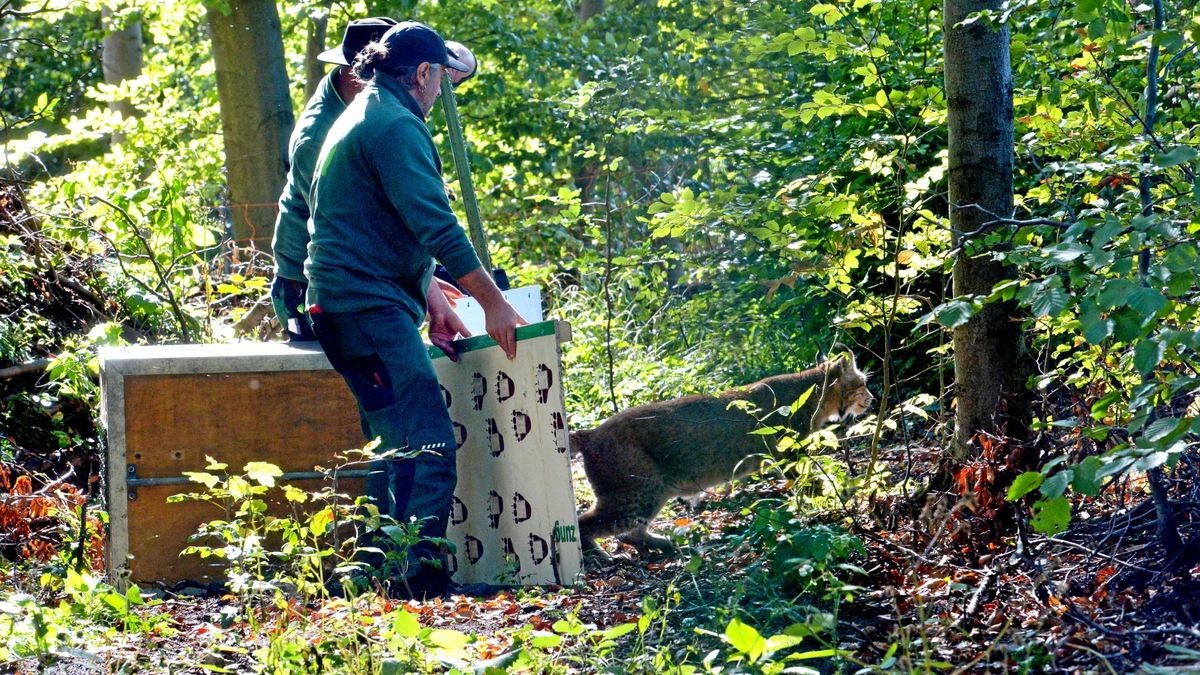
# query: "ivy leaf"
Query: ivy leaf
1024,484
1051,515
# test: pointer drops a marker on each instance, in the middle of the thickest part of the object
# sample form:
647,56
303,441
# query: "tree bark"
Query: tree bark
121,58
318,29
256,113
588,8
988,352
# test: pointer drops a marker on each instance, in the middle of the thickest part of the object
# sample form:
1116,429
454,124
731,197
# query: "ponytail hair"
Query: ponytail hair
374,58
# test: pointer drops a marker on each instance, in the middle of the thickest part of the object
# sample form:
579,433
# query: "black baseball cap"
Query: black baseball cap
411,43
359,33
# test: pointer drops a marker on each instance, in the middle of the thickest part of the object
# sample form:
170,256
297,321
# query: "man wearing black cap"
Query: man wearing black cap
290,245
336,91
380,218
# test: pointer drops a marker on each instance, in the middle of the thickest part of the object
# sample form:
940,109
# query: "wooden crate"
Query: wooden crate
168,407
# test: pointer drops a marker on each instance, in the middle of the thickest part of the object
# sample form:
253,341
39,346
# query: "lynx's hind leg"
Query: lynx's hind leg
625,511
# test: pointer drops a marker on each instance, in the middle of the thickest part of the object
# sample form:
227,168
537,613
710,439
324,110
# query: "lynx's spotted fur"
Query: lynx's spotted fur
639,458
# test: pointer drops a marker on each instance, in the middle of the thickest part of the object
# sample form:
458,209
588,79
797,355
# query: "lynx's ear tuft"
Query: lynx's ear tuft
841,353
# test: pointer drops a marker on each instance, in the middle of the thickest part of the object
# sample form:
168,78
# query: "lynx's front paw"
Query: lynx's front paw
645,542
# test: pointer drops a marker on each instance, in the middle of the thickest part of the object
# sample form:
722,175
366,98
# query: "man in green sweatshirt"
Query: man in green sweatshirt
380,217
333,94
290,245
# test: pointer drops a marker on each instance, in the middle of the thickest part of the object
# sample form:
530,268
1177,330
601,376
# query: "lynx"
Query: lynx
639,458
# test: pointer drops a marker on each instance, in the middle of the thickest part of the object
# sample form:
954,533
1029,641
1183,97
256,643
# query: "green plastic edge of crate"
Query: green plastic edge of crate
483,341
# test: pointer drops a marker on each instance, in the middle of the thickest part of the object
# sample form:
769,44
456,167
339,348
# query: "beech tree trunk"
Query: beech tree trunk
588,8
318,29
989,382
256,113
121,58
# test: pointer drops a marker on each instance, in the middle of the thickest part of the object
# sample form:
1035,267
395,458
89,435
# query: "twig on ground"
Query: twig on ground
1092,551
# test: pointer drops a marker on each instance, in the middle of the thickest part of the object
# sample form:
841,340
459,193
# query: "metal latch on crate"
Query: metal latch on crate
133,482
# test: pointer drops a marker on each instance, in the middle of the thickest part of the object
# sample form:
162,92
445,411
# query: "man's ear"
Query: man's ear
423,72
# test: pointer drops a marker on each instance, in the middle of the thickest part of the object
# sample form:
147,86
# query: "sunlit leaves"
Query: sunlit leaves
677,214
1024,484
263,473
1051,515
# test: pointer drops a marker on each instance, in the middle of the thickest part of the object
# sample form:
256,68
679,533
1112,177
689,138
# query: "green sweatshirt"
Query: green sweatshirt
290,244
380,213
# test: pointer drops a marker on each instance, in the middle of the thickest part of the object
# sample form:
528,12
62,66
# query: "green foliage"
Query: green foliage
47,55
268,557
89,610
1106,257
709,192
747,645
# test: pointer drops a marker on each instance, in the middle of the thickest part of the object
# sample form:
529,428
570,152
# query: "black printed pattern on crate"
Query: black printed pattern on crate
501,418
459,513
558,428
478,391
521,511
544,380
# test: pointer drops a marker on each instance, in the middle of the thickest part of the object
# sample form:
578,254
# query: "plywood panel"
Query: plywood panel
514,513
300,419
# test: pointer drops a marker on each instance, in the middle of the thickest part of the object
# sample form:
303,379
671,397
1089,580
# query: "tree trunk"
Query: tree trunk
121,58
318,28
588,8
256,113
988,362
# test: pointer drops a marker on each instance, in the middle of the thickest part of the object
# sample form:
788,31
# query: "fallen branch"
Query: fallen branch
34,366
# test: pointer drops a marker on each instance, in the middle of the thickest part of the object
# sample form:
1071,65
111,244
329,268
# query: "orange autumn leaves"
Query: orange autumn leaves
32,523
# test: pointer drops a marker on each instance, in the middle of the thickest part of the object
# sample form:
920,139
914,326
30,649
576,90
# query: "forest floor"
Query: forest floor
949,581
935,588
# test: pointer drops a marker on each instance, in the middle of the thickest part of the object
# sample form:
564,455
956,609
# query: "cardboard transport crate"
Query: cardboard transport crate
167,408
